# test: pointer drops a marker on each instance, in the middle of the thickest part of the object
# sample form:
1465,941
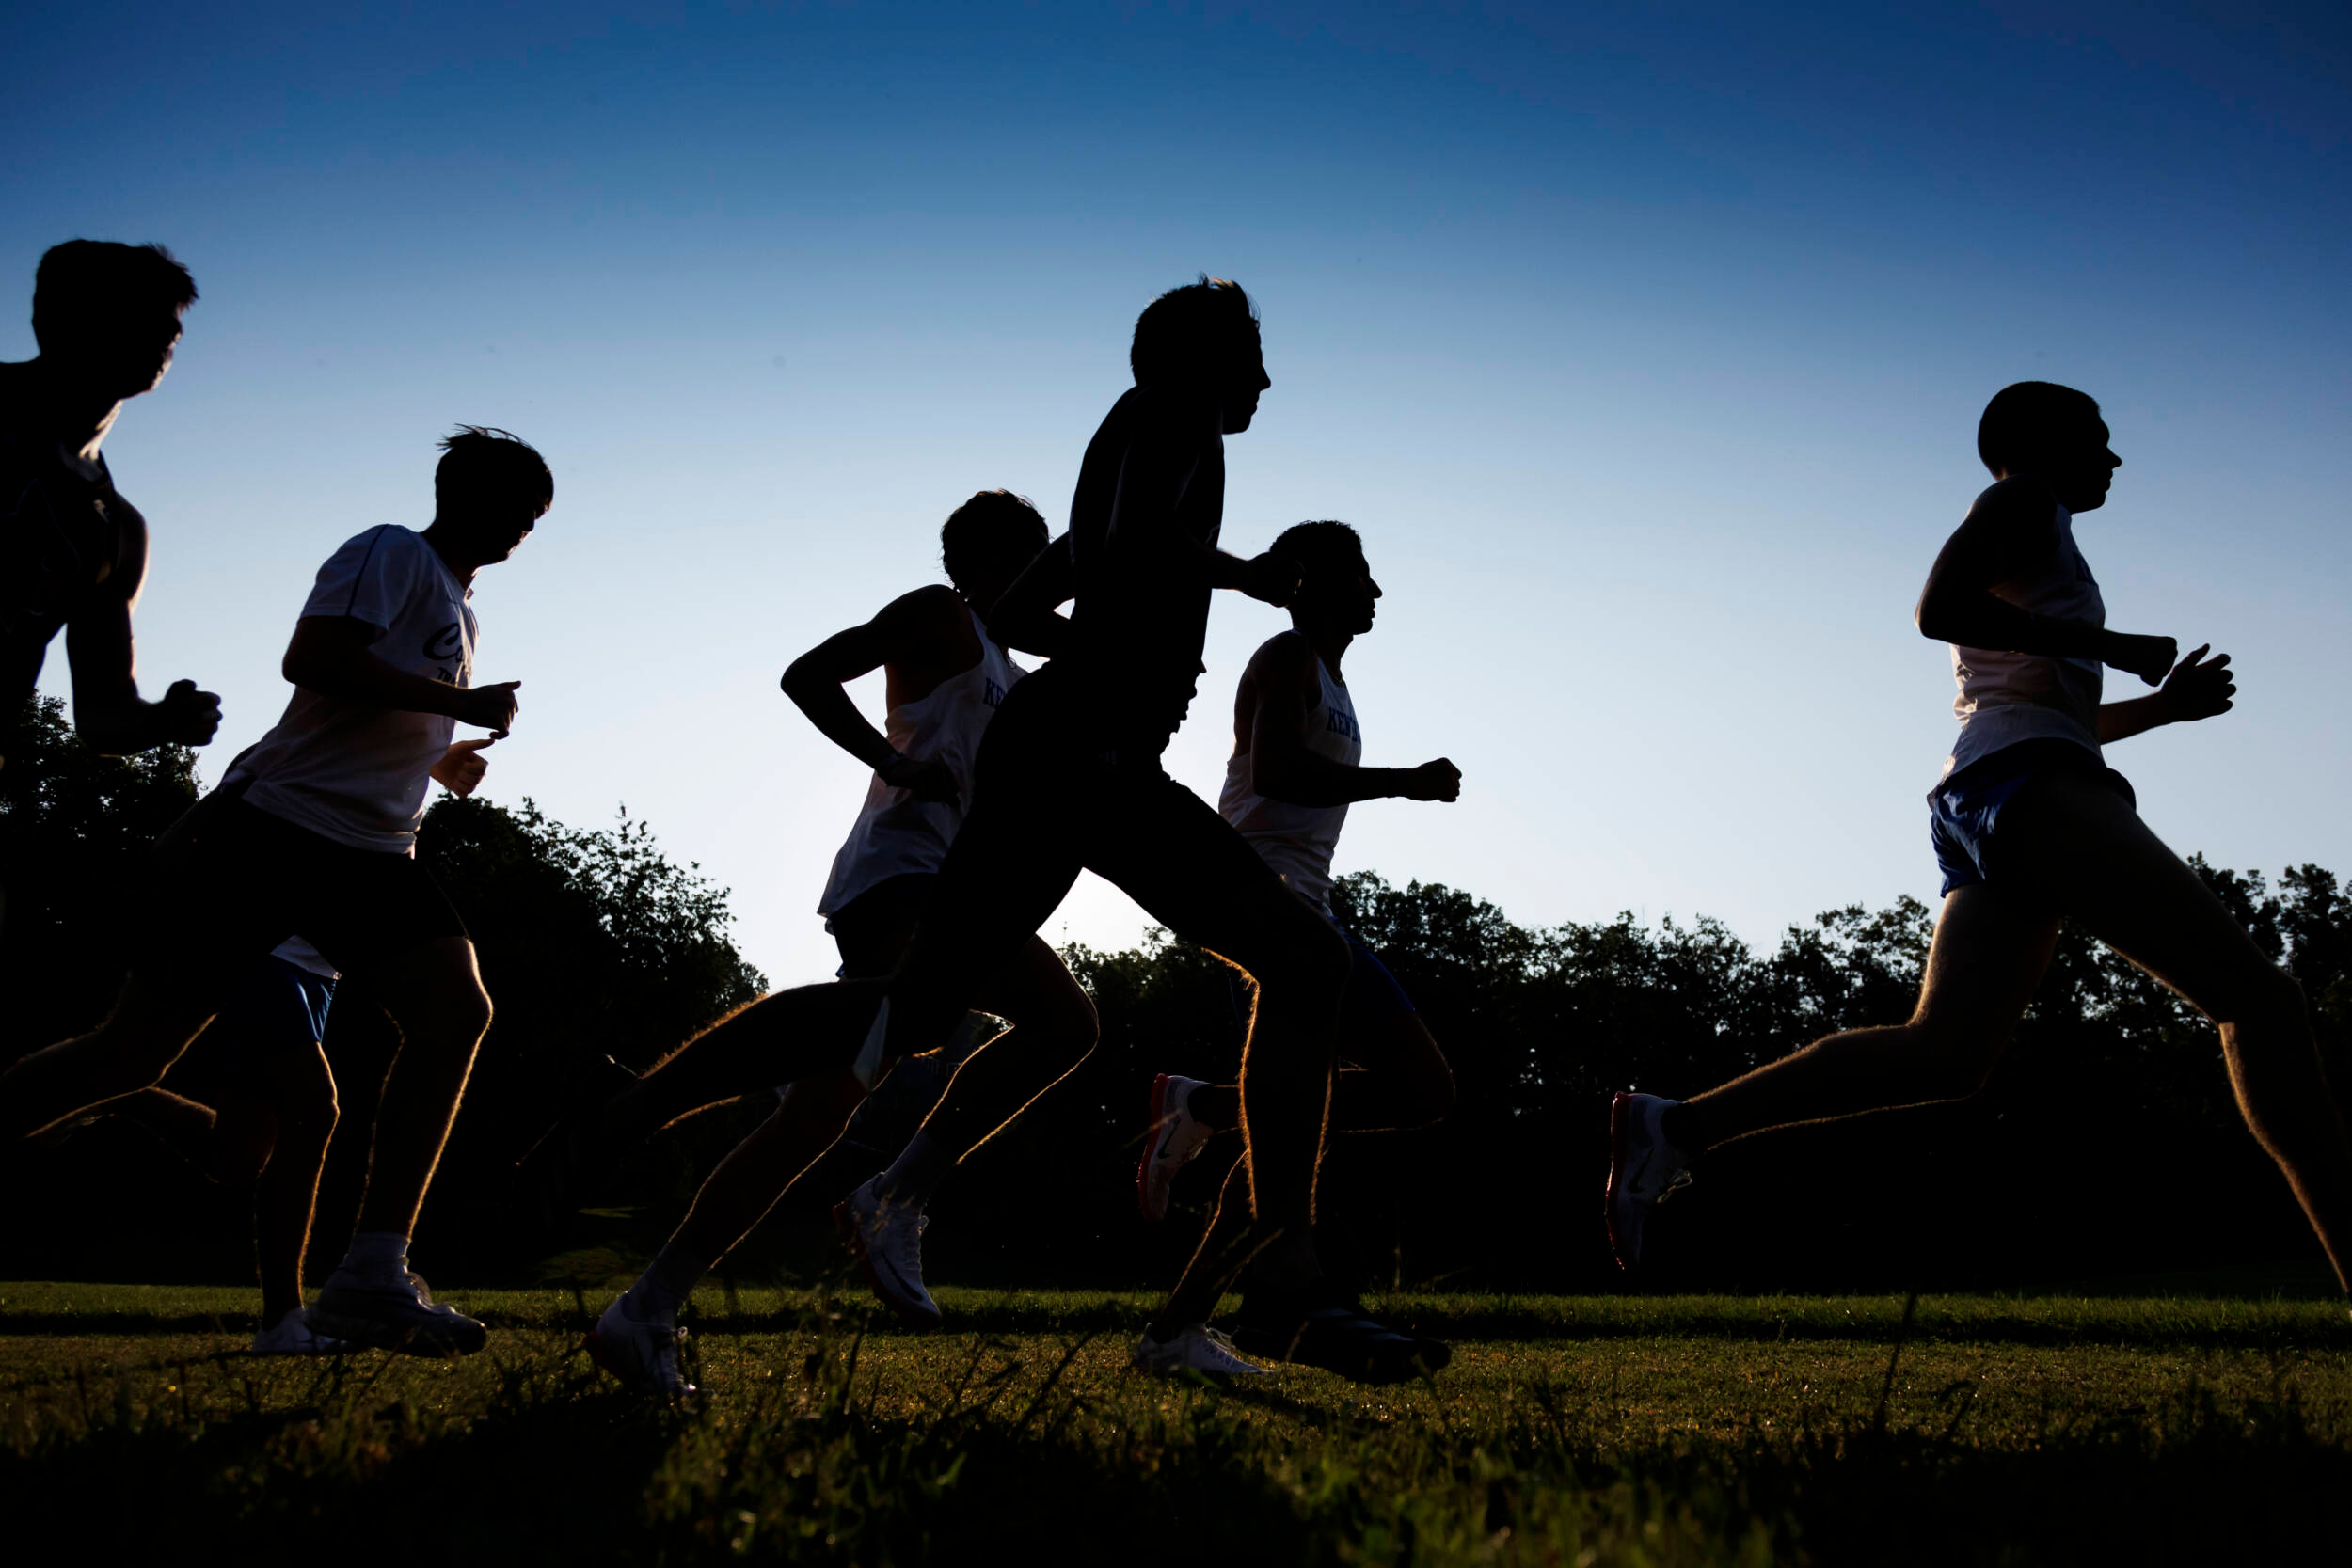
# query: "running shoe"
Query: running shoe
387,1316
1173,1141
887,1237
1642,1168
292,1335
641,1355
1196,1348
1319,1328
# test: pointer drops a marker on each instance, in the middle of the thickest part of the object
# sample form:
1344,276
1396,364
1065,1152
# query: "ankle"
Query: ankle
378,1256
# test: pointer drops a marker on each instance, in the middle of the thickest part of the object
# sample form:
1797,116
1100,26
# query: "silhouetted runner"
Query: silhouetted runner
944,678
2030,825
274,1118
1296,768
1068,778
72,551
312,834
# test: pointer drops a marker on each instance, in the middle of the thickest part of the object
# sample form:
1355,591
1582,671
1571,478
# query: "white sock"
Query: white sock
663,1288
378,1256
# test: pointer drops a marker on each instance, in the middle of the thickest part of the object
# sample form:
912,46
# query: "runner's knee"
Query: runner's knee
2267,998
454,1015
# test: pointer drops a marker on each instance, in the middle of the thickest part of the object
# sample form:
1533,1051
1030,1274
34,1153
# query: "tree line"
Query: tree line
2107,1142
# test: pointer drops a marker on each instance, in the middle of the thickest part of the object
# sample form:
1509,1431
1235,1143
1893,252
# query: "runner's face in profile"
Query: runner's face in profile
126,353
1345,599
492,527
2083,471
1247,380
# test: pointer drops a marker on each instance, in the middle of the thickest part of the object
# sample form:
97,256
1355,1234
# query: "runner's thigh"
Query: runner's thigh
1990,949
1036,988
1170,851
2085,849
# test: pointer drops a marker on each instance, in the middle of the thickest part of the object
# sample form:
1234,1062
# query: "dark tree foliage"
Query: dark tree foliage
2107,1142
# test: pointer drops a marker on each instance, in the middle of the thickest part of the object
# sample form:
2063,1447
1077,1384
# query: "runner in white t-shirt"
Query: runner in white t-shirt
946,676
1296,770
271,1125
2029,827
313,835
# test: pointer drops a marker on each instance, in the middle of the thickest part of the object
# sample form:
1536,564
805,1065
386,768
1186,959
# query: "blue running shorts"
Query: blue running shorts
1964,811
274,1008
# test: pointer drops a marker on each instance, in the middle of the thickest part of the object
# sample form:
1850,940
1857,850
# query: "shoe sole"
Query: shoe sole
1620,1112
906,1312
419,1339
1426,1359
1150,1150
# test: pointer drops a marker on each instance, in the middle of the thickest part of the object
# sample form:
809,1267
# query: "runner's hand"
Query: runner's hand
2198,691
489,707
186,715
929,779
1433,781
461,769
2149,657
1273,578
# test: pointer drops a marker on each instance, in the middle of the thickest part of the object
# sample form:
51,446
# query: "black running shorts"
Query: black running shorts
1048,800
232,882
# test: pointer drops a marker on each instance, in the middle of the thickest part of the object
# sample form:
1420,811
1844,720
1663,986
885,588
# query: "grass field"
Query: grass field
1577,1431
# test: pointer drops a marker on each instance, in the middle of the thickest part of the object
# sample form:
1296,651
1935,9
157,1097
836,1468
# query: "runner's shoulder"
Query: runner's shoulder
2019,505
1286,655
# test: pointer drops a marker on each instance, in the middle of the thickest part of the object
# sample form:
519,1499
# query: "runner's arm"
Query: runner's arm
1284,767
2198,688
108,712
908,628
331,655
1158,467
1024,618
2010,528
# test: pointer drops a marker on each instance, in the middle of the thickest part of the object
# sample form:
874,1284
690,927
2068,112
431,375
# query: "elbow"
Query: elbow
803,678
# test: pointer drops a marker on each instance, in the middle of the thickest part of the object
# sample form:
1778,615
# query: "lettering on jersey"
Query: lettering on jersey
444,644
1343,722
992,694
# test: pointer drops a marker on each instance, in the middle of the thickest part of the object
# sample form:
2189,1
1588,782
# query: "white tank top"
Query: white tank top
896,834
2008,697
1298,840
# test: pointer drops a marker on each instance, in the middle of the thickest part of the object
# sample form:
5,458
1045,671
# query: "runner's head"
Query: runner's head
2054,433
988,541
1204,334
1335,587
107,316
489,490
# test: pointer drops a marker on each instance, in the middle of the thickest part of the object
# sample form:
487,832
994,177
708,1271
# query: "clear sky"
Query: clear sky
1644,344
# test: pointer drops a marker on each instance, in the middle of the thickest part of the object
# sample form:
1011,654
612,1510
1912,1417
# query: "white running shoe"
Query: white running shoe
1642,1168
642,1355
1173,1141
1196,1348
389,1316
887,1237
292,1335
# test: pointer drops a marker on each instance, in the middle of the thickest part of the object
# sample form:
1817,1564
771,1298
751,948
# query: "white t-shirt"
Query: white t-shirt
300,954
352,771
2007,697
1298,841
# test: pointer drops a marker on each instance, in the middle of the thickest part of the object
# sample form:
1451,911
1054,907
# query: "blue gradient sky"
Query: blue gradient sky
1645,348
